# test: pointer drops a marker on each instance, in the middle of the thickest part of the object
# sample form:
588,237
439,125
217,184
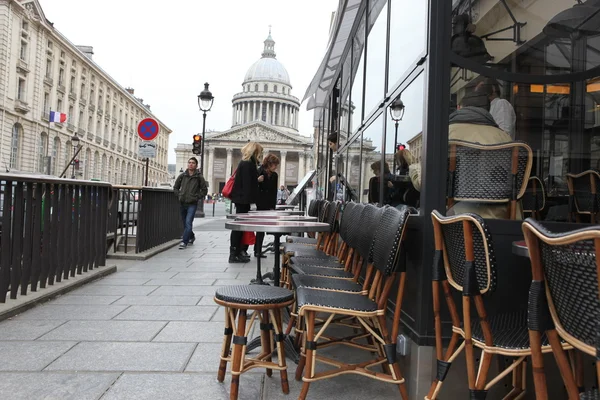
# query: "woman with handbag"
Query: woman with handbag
243,194
267,194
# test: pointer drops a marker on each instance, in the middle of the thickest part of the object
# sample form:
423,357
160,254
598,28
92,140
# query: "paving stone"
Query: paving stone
185,386
119,356
30,356
26,330
61,311
150,268
167,313
181,282
185,291
118,331
233,282
159,300
102,290
122,281
180,331
145,275
206,275
54,385
199,267
206,358
207,301
78,299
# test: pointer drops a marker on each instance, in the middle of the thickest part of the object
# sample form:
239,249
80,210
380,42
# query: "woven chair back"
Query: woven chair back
366,228
584,189
569,264
488,173
453,238
388,237
353,225
534,198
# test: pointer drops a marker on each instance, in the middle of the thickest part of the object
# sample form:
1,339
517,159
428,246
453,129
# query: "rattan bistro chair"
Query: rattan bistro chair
464,260
564,302
534,199
583,194
370,311
491,174
313,211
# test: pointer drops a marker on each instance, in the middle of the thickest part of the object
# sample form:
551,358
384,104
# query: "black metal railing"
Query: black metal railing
123,215
51,229
159,219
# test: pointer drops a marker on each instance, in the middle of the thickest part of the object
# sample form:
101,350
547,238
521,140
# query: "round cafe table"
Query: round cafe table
277,212
277,229
284,207
519,248
253,217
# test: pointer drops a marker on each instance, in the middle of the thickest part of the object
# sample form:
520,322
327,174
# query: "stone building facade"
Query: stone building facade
45,72
264,111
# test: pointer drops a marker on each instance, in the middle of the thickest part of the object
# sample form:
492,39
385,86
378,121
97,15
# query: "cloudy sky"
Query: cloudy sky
166,53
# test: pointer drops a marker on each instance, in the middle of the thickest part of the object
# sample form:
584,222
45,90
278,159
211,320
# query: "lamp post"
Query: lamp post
75,141
396,113
205,102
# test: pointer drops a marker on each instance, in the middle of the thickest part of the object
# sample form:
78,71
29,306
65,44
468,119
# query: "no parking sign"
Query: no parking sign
148,129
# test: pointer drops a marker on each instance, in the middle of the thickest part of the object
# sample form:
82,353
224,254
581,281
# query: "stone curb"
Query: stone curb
16,306
146,254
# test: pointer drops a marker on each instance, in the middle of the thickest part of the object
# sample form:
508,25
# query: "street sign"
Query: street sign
147,149
148,129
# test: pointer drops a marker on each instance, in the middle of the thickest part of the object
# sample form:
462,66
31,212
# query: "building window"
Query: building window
23,52
275,88
89,126
92,96
256,88
81,119
55,154
21,89
70,115
48,68
72,86
14,146
264,112
25,25
61,76
46,109
59,105
266,88
82,94
42,151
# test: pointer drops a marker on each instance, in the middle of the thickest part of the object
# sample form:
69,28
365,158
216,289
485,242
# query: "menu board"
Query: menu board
295,196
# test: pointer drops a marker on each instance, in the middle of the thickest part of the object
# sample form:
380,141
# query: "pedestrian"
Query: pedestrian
267,194
243,194
282,195
190,187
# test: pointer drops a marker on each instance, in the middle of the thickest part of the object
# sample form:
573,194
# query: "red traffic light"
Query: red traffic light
197,138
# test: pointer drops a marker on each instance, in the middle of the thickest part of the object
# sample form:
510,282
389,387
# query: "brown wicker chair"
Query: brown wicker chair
583,194
488,174
370,311
534,199
564,302
464,260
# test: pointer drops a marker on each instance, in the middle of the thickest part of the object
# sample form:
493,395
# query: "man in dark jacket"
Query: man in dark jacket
190,187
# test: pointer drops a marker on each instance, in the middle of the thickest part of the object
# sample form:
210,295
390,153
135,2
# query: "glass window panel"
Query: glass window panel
408,31
376,52
372,139
357,95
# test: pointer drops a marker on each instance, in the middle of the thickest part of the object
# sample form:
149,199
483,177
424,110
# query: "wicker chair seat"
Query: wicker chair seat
254,294
328,299
590,395
509,331
312,252
318,262
306,269
292,247
302,240
319,282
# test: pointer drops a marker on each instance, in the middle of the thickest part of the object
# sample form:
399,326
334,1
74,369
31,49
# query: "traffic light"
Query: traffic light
76,161
197,145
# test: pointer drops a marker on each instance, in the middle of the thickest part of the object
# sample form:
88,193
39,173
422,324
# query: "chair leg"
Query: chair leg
563,364
537,364
238,355
381,322
278,326
226,348
265,338
310,353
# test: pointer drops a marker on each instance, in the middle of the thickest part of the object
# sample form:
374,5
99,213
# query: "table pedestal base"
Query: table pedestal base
288,343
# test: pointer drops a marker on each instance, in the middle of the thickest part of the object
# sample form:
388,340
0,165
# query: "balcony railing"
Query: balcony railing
48,81
72,96
82,101
61,88
71,127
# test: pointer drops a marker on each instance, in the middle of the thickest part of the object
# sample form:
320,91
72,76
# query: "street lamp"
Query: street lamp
396,113
75,141
205,102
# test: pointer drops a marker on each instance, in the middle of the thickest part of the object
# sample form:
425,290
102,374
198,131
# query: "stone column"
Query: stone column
232,115
209,173
260,111
284,115
283,155
301,166
228,165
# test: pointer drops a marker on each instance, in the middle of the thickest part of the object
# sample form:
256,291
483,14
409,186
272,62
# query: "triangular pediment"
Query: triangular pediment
34,10
257,132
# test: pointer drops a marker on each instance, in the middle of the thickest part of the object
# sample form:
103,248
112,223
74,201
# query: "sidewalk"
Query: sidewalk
149,331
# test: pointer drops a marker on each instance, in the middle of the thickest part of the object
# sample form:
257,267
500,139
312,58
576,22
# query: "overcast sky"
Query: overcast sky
166,51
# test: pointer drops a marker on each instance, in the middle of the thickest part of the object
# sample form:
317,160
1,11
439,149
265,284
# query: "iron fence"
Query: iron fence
50,230
159,218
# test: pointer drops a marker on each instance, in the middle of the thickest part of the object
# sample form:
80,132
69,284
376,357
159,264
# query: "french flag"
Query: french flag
58,117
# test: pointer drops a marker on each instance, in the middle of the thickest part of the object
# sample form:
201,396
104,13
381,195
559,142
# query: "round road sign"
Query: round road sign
148,129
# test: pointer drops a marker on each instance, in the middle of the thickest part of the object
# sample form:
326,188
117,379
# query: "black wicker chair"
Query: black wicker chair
289,248
370,311
564,302
583,195
494,175
464,260
313,211
534,199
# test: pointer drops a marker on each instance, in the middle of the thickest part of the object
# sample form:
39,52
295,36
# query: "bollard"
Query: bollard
214,202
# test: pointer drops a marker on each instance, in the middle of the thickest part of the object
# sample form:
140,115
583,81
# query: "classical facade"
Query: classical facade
45,72
264,111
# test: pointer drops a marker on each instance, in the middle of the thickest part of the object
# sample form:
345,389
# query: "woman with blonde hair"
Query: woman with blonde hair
244,193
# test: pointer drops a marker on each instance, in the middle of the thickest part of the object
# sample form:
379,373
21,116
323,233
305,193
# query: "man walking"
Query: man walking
190,187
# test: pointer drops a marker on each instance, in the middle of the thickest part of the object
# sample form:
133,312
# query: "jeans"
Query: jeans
187,216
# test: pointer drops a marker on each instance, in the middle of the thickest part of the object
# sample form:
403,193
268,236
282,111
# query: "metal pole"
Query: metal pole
147,163
395,147
202,151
